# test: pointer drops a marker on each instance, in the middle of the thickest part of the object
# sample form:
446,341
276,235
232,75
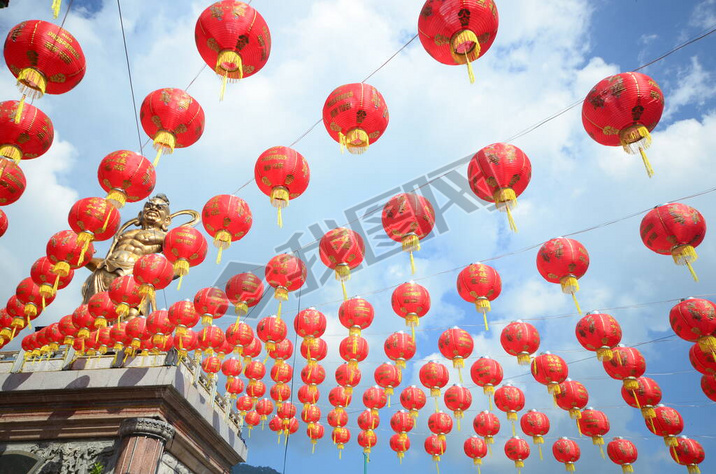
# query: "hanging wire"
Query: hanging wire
131,83
64,18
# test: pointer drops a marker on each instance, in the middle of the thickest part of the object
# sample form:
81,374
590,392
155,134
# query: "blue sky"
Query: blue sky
547,55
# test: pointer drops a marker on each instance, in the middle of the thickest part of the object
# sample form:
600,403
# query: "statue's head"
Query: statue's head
155,213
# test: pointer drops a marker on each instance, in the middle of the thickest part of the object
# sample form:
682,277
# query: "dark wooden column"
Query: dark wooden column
142,445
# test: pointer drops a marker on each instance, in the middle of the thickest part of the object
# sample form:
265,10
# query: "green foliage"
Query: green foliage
248,469
97,468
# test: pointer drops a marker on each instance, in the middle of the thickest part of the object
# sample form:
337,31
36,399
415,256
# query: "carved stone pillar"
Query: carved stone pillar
143,441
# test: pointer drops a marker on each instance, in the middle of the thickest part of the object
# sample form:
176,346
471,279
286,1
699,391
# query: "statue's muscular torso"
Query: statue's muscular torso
131,245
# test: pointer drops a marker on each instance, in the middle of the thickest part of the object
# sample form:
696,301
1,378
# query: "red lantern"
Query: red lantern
486,373
337,418
285,273
355,115
520,339
535,424
211,338
159,324
628,365
599,332
254,370
27,139
231,368
367,439
567,452
255,389
102,309
457,33
368,420
353,349
645,397
340,397
399,347
694,320
703,362
572,397
435,447
271,330
412,398
264,408
510,400
136,333
12,182
434,376
342,250
311,413
622,110
253,349
475,448
252,419
563,261
708,386
93,219
411,302
39,68
3,222
183,315
667,423
7,333
282,174
550,370
456,344
126,177
689,453
458,399
211,304
499,173
402,422
184,247
400,443
244,290
674,229
314,350
227,218
42,275
313,375
233,39
340,437
594,423
28,295
374,398
172,118
310,323
408,218
487,425
315,432
124,294
153,272
309,396
282,352
211,365
117,333
517,450
63,251
355,315
348,376
388,376
186,342
622,452
479,284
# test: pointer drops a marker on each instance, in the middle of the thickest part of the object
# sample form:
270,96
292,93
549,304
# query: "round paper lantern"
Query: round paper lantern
572,397
347,376
183,315
231,368
311,413
340,437
487,425
645,397
388,376
282,351
356,314
252,350
69,331
255,390
521,340
310,323
368,420
102,308
674,229
63,251
45,59
622,452
411,302
337,418
499,173
211,304
126,177
622,110
563,261
254,370
667,423
315,432
27,139
458,32
694,320
186,342
475,448
703,362
12,182
93,219
264,408
42,276
285,273
314,350
233,39
550,370
479,284
367,439
153,272
342,250
184,247
124,293
413,398
535,424
435,447
244,290
399,347
172,119
374,398
486,373
708,386
434,376
136,333
271,330
313,375
567,452
3,223
355,115
408,218
227,219
456,344
599,332
689,453
28,294
400,443
594,423
627,365
458,399
510,399
252,420
517,450
309,396
402,422
211,339
282,174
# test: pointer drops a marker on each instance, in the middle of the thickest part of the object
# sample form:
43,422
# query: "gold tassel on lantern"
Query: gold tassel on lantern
693,469
281,294
482,305
604,354
222,241
539,441
569,466
357,141
230,67
627,469
56,8
343,274
465,48
164,142
12,152
684,255
506,200
458,363
571,285
181,268
636,139
411,243
524,358
279,200
631,384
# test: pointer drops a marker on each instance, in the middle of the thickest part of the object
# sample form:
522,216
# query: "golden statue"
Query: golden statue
128,245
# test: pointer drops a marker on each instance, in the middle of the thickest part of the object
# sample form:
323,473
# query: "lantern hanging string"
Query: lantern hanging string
129,74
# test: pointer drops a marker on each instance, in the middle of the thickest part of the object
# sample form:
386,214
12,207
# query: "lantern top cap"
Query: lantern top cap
617,437
532,410
687,298
596,311
563,437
